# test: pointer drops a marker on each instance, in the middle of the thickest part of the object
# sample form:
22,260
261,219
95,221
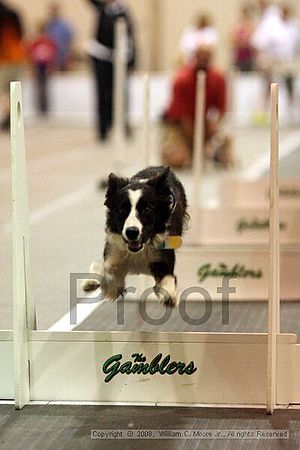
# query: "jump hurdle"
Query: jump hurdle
239,231
189,369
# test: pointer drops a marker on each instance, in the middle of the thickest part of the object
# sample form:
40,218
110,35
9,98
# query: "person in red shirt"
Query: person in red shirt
42,54
179,118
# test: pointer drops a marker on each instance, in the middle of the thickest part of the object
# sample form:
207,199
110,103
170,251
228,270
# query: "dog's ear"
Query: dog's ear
159,180
114,184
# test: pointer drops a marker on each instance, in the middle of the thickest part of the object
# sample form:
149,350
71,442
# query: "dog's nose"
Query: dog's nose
132,233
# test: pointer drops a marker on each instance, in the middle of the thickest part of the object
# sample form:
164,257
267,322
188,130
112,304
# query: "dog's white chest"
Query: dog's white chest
140,263
119,256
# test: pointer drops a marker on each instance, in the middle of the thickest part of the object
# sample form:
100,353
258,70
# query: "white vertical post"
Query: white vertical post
146,120
119,89
198,136
274,255
23,304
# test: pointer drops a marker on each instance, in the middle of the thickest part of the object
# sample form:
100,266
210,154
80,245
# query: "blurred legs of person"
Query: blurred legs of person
42,88
103,72
7,74
218,142
289,82
177,148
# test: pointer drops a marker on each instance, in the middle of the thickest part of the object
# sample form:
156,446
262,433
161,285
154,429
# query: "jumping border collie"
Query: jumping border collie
141,212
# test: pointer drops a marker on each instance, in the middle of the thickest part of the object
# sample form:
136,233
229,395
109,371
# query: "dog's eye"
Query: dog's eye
144,208
122,211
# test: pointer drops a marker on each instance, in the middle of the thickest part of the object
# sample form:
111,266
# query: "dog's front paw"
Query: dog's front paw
166,291
90,285
171,301
111,292
165,297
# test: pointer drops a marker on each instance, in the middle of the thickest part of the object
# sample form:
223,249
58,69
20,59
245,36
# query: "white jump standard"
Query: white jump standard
194,369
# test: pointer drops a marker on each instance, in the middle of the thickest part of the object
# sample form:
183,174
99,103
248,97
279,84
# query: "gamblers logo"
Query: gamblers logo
114,366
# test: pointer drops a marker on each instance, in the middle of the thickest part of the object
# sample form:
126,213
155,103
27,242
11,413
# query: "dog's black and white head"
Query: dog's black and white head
138,208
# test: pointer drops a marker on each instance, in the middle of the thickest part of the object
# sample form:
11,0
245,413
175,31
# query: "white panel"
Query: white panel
235,226
288,374
243,194
6,370
226,373
67,366
249,286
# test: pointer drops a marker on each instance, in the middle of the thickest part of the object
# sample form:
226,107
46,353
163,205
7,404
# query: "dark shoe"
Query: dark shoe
5,124
128,132
103,137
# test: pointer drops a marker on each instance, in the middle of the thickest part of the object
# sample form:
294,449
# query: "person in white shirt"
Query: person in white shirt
291,47
268,33
276,39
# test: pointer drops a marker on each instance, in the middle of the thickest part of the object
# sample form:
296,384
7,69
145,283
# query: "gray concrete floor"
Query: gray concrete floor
53,427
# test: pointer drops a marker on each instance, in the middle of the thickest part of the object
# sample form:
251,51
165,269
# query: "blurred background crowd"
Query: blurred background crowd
41,39
63,52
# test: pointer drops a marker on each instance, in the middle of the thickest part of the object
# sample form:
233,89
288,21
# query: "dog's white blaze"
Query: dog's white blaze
132,220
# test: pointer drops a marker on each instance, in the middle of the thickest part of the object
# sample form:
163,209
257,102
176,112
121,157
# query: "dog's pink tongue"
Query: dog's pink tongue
135,245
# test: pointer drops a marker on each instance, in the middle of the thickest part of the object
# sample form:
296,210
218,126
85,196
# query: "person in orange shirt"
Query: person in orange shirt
12,56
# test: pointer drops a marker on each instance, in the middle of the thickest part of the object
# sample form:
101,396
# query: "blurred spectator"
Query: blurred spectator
12,56
276,39
243,51
42,54
269,34
201,33
291,27
101,51
267,42
62,33
179,119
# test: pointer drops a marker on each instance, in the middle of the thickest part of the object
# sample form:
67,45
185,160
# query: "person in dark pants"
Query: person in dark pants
104,86
42,55
101,52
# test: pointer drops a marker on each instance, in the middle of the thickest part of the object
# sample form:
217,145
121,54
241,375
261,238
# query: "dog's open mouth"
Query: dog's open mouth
135,246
